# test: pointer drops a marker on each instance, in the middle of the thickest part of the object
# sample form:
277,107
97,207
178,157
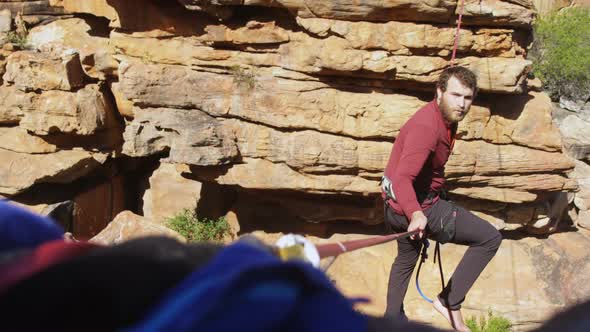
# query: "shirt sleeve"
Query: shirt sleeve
420,142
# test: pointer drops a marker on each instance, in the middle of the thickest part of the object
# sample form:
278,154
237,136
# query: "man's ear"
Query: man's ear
438,95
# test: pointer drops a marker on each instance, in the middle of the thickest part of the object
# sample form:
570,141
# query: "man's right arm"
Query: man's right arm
420,142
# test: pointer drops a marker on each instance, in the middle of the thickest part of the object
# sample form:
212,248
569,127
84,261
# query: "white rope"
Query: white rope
342,246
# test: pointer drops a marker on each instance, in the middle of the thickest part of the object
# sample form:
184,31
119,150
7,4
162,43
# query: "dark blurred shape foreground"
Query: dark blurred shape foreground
159,284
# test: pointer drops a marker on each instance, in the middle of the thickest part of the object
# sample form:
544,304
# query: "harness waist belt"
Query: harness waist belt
387,189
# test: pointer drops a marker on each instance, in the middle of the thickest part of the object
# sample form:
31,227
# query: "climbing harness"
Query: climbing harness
387,188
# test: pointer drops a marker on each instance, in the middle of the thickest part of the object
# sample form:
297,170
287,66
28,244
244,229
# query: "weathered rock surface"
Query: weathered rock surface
581,174
190,136
169,193
30,7
316,105
290,109
127,226
275,102
5,20
309,151
584,219
498,12
96,53
482,158
487,12
576,140
523,120
19,171
83,112
19,140
499,172
402,38
14,103
29,71
165,16
476,158
332,55
298,97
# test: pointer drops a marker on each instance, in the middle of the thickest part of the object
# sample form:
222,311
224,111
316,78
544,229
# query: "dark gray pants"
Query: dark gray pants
481,237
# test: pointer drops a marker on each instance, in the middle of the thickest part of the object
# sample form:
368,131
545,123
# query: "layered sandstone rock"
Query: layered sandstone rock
20,171
487,12
499,171
402,38
18,140
575,137
289,109
581,174
334,55
127,226
84,112
46,104
169,193
294,96
29,70
96,53
30,7
191,137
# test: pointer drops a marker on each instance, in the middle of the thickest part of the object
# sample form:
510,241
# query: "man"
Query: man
413,179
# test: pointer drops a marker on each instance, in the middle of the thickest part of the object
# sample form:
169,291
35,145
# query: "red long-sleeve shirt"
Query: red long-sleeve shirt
418,158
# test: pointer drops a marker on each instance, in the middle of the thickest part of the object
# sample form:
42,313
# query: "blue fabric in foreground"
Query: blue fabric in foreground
246,288
22,229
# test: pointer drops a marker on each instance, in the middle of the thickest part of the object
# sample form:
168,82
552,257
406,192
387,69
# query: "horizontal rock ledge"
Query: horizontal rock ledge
84,112
196,138
295,104
20,171
480,12
331,56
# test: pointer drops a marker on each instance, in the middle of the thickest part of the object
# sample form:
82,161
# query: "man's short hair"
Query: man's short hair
464,75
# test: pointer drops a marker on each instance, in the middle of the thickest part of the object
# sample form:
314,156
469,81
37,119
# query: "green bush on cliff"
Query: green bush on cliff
561,53
194,229
492,323
18,39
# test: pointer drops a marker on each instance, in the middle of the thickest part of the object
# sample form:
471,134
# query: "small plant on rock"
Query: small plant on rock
19,40
19,37
492,323
195,229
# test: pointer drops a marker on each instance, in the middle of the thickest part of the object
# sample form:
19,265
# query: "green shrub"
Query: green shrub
490,324
561,53
194,229
18,39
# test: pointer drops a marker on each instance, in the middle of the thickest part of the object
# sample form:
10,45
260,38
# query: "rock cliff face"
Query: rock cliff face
288,96
283,112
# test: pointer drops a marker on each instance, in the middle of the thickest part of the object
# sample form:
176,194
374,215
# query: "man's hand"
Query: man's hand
418,222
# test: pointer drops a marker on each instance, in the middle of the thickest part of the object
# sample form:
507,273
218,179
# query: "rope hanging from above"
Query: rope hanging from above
457,33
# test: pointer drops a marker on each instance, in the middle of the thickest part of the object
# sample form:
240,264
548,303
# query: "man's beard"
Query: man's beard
450,115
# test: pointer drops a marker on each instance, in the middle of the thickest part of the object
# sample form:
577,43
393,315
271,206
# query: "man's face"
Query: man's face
455,102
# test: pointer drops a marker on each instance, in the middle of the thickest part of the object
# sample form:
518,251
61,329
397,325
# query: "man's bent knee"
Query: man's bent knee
494,243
